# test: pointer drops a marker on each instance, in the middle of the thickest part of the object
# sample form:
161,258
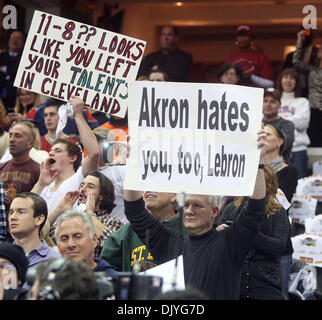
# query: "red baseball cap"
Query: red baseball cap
244,28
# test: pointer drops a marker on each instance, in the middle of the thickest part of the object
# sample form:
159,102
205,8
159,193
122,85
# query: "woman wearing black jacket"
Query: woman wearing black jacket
260,278
287,182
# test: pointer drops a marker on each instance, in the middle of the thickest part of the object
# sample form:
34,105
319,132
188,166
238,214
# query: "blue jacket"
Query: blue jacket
104,266
36,115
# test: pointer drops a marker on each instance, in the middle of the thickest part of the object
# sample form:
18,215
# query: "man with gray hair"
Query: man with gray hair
76,239
212,260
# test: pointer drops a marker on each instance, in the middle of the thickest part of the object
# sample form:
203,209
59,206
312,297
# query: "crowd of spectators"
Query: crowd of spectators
69,202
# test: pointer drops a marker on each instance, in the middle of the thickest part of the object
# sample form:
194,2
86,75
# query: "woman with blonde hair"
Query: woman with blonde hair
25,101
261,276
44,234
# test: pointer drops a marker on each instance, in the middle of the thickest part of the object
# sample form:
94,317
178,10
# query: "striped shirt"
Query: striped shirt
111,225
41,254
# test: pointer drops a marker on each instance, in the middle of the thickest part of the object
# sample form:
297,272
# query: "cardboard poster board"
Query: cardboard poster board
62,58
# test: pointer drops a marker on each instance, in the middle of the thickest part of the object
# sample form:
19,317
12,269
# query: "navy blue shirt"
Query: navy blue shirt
104,266
36,115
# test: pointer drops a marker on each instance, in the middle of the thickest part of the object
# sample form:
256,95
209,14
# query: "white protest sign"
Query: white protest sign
302,208
308,247
62,58
193,137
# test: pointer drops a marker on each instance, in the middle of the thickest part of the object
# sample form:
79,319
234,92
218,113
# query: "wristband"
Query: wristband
92,214
261,166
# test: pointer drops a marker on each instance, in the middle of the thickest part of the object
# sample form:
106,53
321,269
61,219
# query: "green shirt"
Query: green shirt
123,248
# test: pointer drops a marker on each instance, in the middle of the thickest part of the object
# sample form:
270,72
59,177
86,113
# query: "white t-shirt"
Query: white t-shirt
70,184
117,174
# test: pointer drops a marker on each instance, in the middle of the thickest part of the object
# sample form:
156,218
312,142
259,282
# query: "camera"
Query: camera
126,286
108,152
57,281
131,286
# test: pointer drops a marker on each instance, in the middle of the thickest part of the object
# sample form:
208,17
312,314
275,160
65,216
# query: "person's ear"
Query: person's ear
95,241
30,143
173,197
40,219
73,158
215,212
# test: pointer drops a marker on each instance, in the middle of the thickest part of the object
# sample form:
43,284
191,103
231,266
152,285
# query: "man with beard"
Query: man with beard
95,196
21,172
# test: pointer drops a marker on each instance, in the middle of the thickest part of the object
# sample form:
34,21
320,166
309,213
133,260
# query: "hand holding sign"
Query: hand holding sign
262,143
78,105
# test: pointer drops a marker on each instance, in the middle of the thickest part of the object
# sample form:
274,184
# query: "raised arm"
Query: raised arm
297,61
87,137
260,186
131,195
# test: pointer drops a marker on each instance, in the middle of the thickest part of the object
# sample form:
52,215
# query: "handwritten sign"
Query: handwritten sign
62,58
191,137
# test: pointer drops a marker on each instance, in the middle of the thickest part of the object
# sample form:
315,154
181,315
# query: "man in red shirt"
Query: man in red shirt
21,172
257,68
51,118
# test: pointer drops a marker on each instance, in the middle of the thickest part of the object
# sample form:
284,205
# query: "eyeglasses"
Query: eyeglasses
25,94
